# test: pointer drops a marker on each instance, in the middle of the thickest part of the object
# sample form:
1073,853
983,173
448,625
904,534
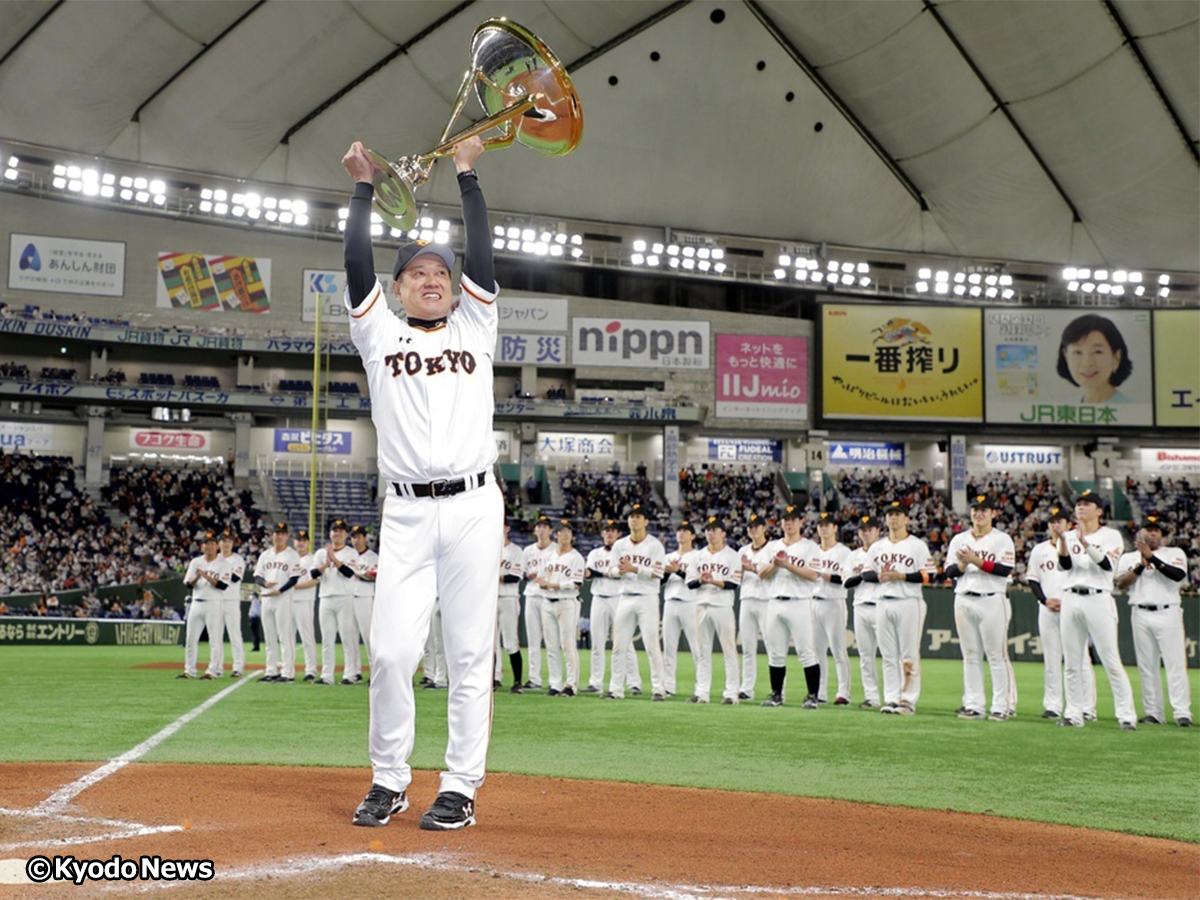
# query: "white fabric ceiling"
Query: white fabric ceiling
699,140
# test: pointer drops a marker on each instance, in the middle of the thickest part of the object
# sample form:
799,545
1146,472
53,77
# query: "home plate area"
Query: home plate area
285,832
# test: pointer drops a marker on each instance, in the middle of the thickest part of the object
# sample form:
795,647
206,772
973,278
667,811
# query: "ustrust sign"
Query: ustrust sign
640,343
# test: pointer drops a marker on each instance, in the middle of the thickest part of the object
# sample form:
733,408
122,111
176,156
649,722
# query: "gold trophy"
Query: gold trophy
524,90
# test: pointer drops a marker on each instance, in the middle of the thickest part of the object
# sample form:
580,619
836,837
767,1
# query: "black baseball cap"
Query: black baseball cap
755,520
227,535
564,523
208,536
686,525
1090,496
714,522
541,520
1058,513
637,510
867,522
1154,522
895,507
791,512
826,518
280,528
339,525
302,534
357,530
411,251
610,525
983,501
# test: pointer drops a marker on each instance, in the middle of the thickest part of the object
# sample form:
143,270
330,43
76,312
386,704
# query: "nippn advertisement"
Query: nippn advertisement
901,362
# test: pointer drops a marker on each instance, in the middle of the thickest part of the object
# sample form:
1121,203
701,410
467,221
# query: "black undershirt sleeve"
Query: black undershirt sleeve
356,244
1036,587
870,576
235,578
260,581
952,571
220,585
512,579
853,581
914,578
315,573
289,584
1064,562
1001,569
345,571
477,250
1105,564
1168,570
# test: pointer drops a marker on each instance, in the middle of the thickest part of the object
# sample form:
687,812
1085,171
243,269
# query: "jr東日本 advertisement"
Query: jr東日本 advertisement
1177,367
1069,367
762,377
920,363
207,283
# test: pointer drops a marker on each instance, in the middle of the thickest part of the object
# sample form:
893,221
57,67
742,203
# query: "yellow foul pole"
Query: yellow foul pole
312,436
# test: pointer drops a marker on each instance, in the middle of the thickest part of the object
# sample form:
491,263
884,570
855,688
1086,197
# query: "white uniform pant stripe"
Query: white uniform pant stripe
635,611
1158,635
603,617
1050,632
679,617
559,620
982,625
829,625
337,616
867,638
302,615
752,622
280,640
1094,615
455,564
718,621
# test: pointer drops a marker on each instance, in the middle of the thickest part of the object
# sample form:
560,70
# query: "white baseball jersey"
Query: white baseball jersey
232,566
202,589
649,556
832,562
676,582
782,583
753,587
532,561
995,546
431,388
724,565
603,565
512,562
858,562
307,564
367,561
565,570
1152,587
1083,572
1043,568
333,582
906,556
277,567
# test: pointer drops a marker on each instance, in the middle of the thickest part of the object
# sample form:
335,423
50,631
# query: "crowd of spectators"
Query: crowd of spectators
91,606
591,497
19,371
733,494
557,393
53,373
112,376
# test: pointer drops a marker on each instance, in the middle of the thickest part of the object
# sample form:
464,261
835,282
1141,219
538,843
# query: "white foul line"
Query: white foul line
57,801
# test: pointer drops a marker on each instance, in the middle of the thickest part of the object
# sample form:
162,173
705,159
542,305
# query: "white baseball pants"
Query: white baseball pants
867,638
901,624
1158,634
635,611
436,551
280,635
604,615
507,636
337,616
982,625
1050,633
202,614
433,662
716,620
752,622
559,621
363,610
533,634
829,634
789,622
231,611
302,616
1094,615
679,616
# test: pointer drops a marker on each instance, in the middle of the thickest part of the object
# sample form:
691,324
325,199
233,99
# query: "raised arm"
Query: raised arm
477,249
356,242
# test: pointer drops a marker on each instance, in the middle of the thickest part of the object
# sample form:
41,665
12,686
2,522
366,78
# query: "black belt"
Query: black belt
975,594
1151,608
1085,591
441,488
866,603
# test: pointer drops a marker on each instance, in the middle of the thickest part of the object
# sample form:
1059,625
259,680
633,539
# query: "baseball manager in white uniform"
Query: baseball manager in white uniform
431,381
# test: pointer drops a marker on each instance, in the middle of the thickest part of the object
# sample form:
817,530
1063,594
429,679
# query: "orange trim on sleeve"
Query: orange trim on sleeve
472,294
374,296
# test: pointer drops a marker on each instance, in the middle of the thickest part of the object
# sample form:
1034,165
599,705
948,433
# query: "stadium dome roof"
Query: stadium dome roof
1061,132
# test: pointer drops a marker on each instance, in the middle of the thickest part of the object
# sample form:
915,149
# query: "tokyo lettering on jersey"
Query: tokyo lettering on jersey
233,570
512,562
277,567
533,561
832,562
202,589
333,582
1043,568
431,388
782,583
1152,587
1085,573
996,547
650,558
724,565
362,564
603,565
677,582
906,557
565,570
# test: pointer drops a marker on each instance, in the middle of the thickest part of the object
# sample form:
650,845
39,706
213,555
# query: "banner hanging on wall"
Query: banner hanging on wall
1022,458
150,439
326,288
207,283
1176,368
299,440
920,363
1066,367
60,265
25,436
762,377
640,343
745,449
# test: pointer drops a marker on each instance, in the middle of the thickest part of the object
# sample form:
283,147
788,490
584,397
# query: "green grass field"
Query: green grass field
94,703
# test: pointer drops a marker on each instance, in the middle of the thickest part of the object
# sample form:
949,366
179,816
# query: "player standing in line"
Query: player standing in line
602,570
679,604
829,608
901,564
365,566
336,607
716,571
752,614
981,559
304,596
560,578
1046,581
277,571
233,570
1154,575
866,633
535,599
1088,555
202,576
512,561
640,562
791,577
431,385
